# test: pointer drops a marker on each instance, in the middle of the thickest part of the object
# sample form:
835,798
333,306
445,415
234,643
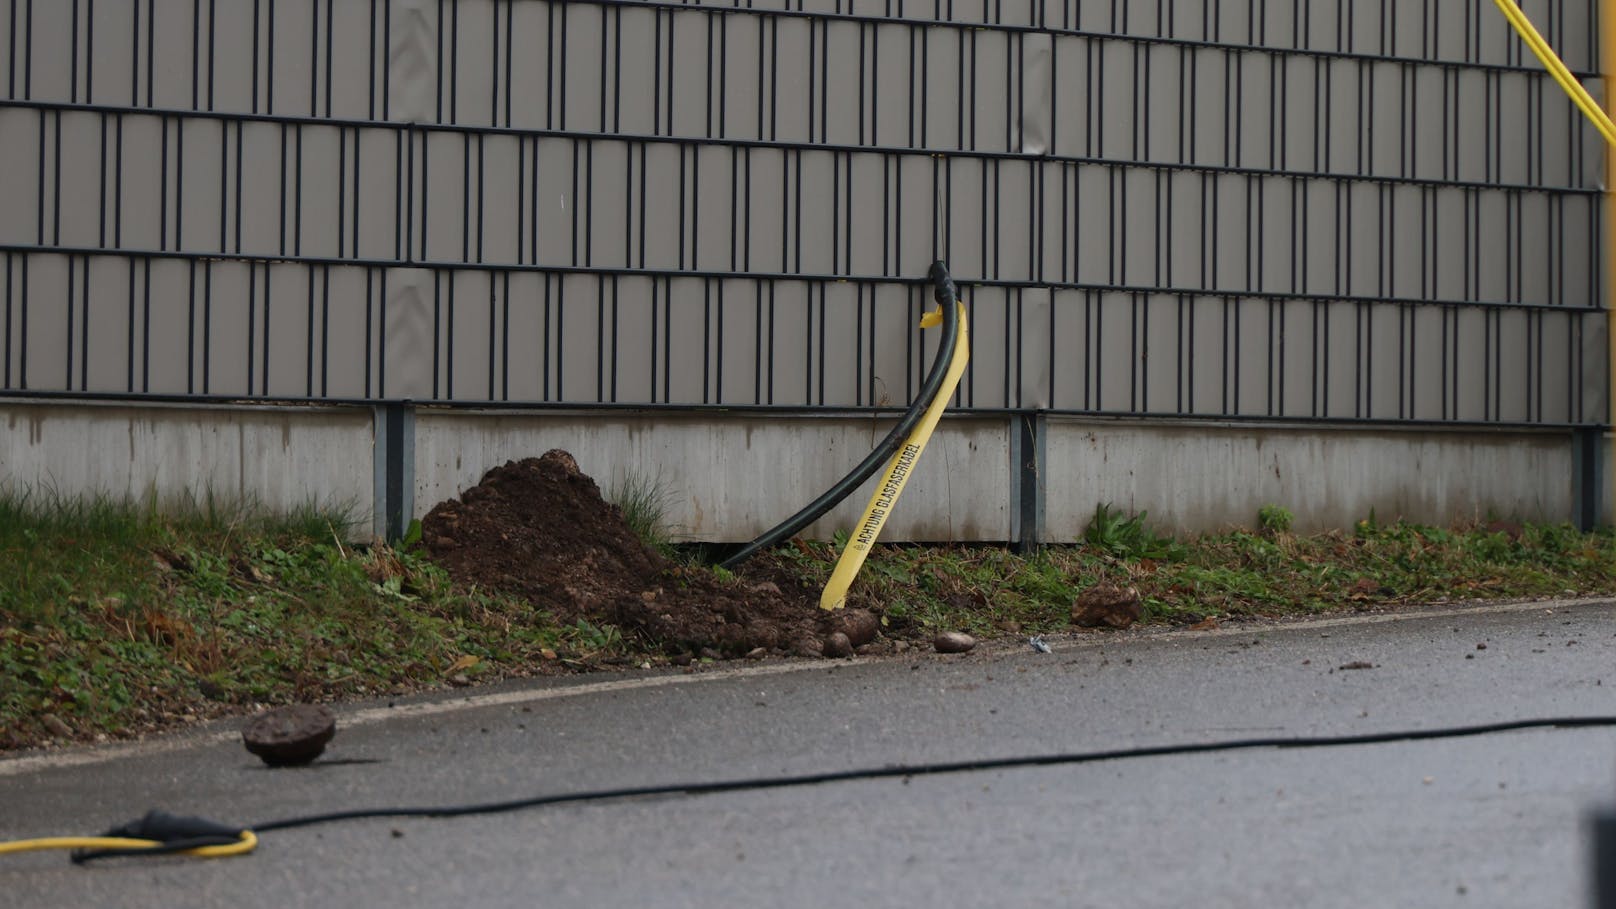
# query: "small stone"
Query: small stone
807,647
900,646
291,735
860,625
953,642
1107,605
756,653
459,680
837,645
708,653
1481,646
54,724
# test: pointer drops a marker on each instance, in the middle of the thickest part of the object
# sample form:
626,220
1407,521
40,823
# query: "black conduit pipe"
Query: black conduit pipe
945,293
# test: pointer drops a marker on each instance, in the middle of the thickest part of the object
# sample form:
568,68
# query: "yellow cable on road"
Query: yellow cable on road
1557,68
898,472
247,843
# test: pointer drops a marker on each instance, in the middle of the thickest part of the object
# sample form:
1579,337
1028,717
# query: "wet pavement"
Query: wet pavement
1495,820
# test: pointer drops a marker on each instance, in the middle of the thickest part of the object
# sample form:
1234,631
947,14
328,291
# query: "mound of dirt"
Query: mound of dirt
539,529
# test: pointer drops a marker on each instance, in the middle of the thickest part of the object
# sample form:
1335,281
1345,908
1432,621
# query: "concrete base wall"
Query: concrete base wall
1204,478
728,478
281,457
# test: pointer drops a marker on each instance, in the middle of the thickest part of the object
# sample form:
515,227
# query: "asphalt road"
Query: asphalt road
1496,820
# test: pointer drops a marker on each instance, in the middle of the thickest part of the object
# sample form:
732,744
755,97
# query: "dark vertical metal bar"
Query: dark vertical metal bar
71,295
325,330
395,414
614,347
151,48
84,334
381,338
5,377
308,351
252,317
505,337
1029,427
22,353
268,302
1603,859
207,324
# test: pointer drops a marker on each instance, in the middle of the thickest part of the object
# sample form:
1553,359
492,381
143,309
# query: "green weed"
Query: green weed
1274,518
644,502
1127,536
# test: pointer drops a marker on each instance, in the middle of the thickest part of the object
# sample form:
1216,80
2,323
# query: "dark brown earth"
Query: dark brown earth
539,529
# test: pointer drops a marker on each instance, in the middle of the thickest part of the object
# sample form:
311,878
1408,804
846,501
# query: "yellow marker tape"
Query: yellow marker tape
1557,68
897,475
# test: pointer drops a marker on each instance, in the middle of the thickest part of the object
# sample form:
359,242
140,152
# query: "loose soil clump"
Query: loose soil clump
538,528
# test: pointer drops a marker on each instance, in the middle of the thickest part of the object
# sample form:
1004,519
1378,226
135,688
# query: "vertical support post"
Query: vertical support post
1026,480
1586,476
394,470
1603,877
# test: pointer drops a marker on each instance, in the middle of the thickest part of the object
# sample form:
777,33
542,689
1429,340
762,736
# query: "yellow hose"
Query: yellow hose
1557,68
898,472
248,842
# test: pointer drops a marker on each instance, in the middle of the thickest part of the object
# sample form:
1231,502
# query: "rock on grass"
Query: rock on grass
953,642
1105,605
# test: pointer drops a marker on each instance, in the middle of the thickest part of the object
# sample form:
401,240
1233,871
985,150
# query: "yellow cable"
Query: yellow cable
76,842
247,843
1557,68
898,471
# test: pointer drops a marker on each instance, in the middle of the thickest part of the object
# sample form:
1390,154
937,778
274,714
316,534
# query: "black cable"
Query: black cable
931,769
945,293
871,773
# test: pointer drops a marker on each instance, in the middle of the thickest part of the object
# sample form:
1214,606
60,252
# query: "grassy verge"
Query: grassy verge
115,619
987,591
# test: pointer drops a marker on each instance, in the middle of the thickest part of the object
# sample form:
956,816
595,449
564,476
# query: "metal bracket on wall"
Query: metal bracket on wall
394,469
1027,450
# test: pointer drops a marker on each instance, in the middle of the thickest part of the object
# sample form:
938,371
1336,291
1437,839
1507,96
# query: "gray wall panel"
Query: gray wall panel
1336,210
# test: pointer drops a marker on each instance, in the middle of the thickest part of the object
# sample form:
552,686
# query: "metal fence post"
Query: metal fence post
1586,477
394,469
1604,859
1026,480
